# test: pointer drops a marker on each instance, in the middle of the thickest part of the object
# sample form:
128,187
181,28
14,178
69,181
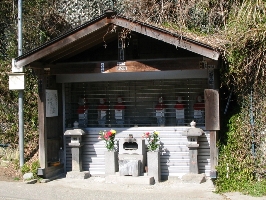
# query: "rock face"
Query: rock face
79,11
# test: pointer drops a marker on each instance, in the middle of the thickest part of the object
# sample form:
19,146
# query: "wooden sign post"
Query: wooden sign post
212,124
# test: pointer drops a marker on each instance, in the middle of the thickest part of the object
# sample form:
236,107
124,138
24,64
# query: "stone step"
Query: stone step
140,180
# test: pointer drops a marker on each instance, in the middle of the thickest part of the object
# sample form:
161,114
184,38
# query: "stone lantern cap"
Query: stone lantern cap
76,135
193,131
74,132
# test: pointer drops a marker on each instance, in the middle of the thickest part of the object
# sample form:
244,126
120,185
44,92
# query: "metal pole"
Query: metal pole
252,122
21,128
21,92
19,27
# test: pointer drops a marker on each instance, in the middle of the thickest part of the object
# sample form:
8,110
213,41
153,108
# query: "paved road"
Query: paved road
95,188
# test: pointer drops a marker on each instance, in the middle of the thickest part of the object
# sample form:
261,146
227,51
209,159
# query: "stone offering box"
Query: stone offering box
132,156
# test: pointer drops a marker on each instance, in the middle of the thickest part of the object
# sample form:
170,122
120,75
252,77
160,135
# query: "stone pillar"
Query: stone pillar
154,165
193,160
76,150
76,157
111,162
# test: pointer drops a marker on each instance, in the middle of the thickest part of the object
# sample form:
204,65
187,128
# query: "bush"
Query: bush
31,167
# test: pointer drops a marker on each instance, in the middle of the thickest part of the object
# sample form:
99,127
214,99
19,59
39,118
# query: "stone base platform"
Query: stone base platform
78,175
140,180
194,178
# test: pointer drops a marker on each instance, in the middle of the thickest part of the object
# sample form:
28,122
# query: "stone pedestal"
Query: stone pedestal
154,166
111,162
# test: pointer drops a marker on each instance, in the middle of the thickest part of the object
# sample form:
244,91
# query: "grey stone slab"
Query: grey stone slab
194,178
141,158
78,175
140,180
129,167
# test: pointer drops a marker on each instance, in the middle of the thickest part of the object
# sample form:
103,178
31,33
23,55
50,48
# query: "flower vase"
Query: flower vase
154,166
111,162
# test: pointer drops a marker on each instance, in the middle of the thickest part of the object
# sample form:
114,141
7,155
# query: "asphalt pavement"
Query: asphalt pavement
95,188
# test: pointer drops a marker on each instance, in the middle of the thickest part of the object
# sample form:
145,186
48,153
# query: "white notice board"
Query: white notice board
51,103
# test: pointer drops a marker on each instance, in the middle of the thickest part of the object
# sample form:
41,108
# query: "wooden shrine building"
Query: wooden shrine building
114,60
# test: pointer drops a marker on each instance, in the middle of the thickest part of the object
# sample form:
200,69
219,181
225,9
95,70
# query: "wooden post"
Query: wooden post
212,124
213,154
41,116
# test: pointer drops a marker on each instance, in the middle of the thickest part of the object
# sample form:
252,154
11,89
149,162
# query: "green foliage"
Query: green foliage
236,163
25,169
245,46
9,153
9,111
239,168
31,167
255,188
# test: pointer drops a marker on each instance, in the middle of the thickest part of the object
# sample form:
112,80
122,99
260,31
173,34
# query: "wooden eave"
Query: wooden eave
98,31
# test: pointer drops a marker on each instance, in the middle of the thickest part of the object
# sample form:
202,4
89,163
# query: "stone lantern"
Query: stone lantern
76,144
192,136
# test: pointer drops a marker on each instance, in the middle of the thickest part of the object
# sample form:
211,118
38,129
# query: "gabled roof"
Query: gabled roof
102,29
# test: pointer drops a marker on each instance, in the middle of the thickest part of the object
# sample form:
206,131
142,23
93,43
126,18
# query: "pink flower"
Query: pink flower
106,136
109,133
146,135
109,138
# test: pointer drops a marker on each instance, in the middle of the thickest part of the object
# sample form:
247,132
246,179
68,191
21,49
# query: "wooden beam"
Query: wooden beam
113,66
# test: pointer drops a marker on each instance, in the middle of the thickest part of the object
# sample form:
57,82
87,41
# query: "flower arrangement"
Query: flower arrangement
153,140
109,138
